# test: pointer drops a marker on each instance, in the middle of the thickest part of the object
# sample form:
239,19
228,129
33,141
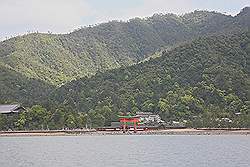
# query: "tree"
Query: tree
21,122
164,109
97,119
38,117
3,122
57,119
81,120
148,106
70,122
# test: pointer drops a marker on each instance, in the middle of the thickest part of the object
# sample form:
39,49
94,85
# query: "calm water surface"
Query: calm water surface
139,151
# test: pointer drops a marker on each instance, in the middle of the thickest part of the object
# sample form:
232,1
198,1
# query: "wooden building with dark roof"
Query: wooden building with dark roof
10,109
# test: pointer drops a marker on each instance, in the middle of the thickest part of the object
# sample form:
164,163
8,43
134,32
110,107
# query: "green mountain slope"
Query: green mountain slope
18,88
210,76
57,59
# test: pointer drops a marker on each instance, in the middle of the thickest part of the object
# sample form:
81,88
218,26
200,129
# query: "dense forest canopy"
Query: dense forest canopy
16,88
57,59
192,68
192,78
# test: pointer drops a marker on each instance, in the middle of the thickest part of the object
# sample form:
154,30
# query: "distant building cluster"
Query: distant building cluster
148,118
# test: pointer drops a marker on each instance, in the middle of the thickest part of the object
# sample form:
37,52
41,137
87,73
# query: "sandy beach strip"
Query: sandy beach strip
103,133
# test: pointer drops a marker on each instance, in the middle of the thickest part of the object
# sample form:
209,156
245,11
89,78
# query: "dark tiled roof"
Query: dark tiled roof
10,108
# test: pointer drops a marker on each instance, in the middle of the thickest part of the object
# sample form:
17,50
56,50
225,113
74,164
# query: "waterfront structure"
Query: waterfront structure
10,109
149,118
139,122
128,122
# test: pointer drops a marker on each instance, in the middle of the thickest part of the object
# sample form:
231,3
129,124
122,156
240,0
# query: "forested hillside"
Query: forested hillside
57,59
205,79
192,69
16,88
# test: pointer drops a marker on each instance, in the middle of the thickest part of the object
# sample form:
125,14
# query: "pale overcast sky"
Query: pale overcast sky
62,16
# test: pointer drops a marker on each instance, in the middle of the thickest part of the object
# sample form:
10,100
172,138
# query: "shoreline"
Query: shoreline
245,132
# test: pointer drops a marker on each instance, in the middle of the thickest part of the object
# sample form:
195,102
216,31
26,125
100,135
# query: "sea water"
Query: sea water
125,151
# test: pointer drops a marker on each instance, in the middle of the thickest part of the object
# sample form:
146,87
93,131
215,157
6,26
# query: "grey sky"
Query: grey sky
62,16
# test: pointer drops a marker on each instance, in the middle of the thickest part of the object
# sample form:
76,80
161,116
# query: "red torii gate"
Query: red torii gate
128,119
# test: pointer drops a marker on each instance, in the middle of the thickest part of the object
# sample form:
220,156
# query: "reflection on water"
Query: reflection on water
144,151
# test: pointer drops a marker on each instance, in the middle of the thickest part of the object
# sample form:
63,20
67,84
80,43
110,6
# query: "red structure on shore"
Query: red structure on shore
129,121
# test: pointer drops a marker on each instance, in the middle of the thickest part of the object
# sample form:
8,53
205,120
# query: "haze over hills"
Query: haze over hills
58,59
